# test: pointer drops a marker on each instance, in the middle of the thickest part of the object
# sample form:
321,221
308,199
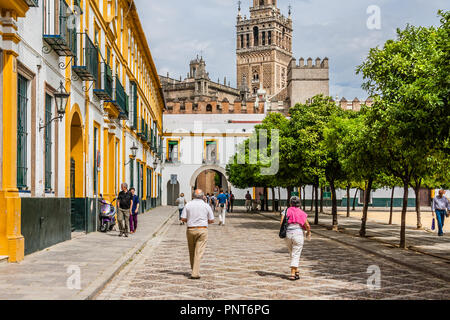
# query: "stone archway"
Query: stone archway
224,183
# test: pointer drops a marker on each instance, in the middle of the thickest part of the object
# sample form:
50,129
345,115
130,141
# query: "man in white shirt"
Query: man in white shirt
198,215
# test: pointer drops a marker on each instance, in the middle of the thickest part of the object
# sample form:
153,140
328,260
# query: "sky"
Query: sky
178,30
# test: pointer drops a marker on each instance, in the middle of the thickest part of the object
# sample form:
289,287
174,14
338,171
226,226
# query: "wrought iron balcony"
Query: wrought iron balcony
87,62
104,84
32,3
63,39
120,99
143,133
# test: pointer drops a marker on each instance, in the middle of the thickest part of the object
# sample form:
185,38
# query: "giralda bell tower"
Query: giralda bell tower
264,48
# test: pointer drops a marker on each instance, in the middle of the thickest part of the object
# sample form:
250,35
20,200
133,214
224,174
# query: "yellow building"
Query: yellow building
58,156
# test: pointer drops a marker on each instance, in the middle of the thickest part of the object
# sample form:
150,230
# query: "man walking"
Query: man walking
222,202
134,211
248,201
198,215
125,204
439,207
231,201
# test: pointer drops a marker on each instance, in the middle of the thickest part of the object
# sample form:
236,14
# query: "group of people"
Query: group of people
249,203
127,210
198,214
222,202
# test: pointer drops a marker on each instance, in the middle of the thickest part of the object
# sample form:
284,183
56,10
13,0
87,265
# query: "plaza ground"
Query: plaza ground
246,260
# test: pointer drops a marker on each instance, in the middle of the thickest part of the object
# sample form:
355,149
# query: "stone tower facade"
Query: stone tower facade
305,80
264,48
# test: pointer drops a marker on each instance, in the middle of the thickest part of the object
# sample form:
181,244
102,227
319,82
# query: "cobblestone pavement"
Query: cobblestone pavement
246,260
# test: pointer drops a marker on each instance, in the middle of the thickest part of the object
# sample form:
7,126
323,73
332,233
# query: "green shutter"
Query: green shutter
131,173
48,143
22,102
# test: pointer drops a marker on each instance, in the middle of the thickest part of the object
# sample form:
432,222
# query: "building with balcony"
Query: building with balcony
57,157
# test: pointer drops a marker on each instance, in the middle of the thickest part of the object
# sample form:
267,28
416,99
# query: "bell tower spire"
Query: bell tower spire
264,48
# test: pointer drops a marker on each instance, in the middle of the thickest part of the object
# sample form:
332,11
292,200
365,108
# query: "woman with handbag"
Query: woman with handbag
293,222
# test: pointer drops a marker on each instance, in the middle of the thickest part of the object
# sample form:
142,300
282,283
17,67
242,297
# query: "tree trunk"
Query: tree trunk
334,206
316,188
354,199
289,191
417,192
304,198
321,200
404,210
273,199
312,199
392,205
279,198
348,201
367,192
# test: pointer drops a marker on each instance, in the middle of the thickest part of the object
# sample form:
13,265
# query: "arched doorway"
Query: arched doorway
173,192
76,157
208,178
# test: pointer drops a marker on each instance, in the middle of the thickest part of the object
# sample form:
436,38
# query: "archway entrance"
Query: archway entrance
173,192
76,157
76,173
210,179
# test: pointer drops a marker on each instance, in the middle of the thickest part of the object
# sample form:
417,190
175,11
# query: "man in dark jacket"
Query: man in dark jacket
125,203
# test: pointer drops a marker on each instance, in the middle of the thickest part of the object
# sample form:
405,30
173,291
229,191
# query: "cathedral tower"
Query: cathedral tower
264,48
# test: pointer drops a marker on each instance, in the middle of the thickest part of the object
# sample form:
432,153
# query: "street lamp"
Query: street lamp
134,150
61,97
155,164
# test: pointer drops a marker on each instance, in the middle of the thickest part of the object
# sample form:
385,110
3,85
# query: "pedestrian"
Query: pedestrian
181,202
222,202
439,206
213,203
231,201
198,216
125,203
134,211
297,222
248,201
261,197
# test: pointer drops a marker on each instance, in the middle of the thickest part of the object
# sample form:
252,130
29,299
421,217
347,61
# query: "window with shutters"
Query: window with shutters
48,143
22,106
133,117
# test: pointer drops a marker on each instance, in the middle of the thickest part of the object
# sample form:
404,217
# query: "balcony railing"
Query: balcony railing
32,3
104,85
143,133
120,98
86,64
63,40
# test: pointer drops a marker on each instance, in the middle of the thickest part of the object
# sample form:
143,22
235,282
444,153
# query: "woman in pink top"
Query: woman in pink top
297,222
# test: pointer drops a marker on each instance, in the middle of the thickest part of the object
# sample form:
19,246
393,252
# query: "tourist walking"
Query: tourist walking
124,203
222,203
198,216
439,206
248,201
134,211
297,222
212,202
181,202
230,206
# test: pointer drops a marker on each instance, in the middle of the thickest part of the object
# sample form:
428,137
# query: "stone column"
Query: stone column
12,243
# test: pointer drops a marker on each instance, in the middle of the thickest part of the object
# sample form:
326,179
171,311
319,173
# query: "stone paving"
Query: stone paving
420,240
44,274
246,260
